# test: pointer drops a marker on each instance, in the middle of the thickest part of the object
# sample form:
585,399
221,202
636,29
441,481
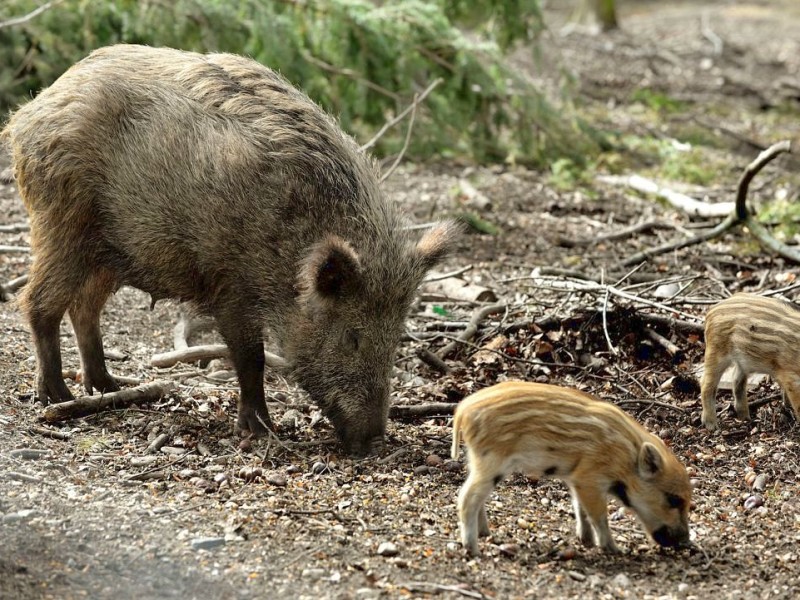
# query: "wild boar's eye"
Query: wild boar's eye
675,501
351,340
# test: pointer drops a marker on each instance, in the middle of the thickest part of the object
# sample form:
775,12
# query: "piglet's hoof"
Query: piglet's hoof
254,422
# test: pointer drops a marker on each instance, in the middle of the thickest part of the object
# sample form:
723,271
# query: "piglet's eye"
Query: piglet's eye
675,501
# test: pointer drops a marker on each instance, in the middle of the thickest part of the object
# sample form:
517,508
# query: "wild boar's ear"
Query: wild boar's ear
436,243
331,269
650,461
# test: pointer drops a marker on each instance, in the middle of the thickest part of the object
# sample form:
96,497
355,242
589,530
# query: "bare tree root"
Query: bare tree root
90,405
739,216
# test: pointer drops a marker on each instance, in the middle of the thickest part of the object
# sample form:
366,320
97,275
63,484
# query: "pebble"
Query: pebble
388,549
290,420
313,573
422,470
566,554
20,515
276,479
434,460
452,466
750,478
207,543
760,484
172,450
510,550
621,580
250,473
319,467
753,501
143,461
683,588
293,470
577,575
245,445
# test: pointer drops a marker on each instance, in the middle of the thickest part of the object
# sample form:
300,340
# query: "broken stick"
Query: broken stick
90,405
208,352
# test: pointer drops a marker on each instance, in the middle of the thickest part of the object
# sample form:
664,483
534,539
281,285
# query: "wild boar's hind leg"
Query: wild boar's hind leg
84,313
45,300
791,390
247,354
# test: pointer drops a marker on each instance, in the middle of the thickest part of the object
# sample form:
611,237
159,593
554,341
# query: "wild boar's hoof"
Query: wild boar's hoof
254,421
53,391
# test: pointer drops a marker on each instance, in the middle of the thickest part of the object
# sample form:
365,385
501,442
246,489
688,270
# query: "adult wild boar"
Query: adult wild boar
210,179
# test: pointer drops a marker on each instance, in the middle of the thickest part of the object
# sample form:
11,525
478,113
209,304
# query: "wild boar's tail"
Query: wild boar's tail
456,436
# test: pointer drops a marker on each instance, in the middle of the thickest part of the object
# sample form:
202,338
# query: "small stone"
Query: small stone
207,543
250,473
453,546
434,460
293,470
290,420
509,550
760,483
143,461
576,575
186,473
566,554
621,580
753,501
313,573
276,479
522,523
220,478
172,450
245,445
683,588
453,466
750,478
20,515
422,470
388,549
319,467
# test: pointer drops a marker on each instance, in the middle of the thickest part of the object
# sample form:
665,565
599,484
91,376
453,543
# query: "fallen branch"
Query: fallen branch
425,587
90,405
683,202
615,235
416,411
433,361
739,215
466,335
659,339
208,352
77,376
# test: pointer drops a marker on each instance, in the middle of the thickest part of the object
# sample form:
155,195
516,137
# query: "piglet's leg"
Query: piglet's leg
740,394
583,527
791,390
713,368
594,504
471,503
483,522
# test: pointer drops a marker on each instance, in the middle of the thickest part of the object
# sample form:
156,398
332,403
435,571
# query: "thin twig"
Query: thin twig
388,125
402,152
351,74
31,15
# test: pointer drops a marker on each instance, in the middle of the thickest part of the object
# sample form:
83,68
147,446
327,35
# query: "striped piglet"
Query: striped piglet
596,448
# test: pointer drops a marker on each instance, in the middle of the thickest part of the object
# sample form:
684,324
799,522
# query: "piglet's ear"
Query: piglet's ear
331,270
436,243
650,461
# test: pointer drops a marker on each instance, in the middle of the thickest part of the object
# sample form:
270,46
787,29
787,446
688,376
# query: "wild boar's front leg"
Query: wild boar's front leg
247,354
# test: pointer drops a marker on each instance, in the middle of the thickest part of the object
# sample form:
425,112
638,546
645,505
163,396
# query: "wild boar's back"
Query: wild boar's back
179,166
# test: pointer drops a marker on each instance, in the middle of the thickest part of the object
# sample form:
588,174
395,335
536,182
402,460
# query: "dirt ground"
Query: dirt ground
91,514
